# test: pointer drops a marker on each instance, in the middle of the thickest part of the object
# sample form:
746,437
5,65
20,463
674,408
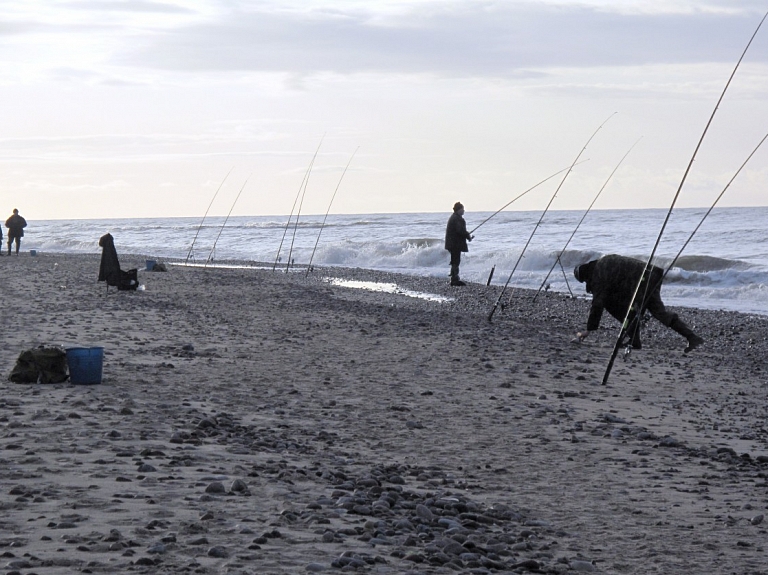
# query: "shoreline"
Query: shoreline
263,422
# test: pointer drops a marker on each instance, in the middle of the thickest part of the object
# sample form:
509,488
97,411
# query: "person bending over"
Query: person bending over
612,280
456,238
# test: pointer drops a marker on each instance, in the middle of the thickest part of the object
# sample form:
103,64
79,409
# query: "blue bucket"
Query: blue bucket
85,364
150,265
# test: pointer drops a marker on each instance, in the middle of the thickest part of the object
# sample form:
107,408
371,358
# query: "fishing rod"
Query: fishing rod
200,227
701,222
525,192
560,255
287,225
210,255
696,229
498,301
712,207
309,265
298,214
626,325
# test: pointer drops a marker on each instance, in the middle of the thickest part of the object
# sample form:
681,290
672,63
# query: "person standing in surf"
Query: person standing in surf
456,238
15,225
612,281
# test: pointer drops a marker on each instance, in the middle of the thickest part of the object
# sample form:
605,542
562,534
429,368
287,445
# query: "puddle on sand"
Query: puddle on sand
387,288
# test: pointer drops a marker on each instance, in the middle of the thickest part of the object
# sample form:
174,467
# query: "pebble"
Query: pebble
423,512
217,551
215,487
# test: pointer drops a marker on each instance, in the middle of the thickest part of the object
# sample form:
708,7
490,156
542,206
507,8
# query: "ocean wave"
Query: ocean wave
704,263
421,243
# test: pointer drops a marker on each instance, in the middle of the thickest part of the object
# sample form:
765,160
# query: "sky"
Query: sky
143,108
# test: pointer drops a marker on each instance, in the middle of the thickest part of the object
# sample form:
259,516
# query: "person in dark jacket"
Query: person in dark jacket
456,238
15,225
612,281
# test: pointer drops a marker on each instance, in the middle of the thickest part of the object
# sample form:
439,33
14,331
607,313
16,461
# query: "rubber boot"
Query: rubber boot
694,340
455,281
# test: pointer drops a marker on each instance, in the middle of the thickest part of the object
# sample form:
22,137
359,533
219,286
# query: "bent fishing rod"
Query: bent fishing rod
552,199
509,203
210,255
288,223
322,225
200,227
560,255
625,325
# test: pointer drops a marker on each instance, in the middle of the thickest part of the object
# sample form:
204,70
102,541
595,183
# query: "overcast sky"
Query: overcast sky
139,108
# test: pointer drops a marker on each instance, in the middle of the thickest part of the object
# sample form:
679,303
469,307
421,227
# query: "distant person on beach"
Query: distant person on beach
456,238
15,225
612,281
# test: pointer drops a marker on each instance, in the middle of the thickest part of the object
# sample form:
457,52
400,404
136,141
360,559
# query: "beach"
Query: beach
252,421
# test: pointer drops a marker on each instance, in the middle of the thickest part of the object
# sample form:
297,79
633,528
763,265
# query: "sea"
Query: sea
723,263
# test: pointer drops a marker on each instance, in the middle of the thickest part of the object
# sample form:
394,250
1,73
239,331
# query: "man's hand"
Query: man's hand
580,336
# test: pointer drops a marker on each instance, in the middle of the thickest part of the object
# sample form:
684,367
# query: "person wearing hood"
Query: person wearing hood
612,280
456,238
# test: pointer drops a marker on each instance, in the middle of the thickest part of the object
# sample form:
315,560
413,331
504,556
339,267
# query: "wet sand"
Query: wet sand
259,422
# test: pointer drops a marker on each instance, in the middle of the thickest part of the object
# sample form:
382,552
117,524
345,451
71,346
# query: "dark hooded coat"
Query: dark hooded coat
109,269
456,234
612,281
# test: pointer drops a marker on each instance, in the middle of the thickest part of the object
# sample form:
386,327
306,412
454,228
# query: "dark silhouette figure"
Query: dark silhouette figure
612,281
109,269
15,225
456,238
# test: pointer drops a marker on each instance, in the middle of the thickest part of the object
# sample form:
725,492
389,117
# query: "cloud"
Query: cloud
460,39
128,6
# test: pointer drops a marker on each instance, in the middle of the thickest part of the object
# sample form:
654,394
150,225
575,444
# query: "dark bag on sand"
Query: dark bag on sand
129,280
40,365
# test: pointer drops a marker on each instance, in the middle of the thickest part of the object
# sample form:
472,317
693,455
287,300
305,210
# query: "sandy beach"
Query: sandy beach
259,422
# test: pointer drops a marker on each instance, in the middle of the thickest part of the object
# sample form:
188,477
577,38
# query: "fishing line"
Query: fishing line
309,265
560,255
496,305
625,325
200,227
525,192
